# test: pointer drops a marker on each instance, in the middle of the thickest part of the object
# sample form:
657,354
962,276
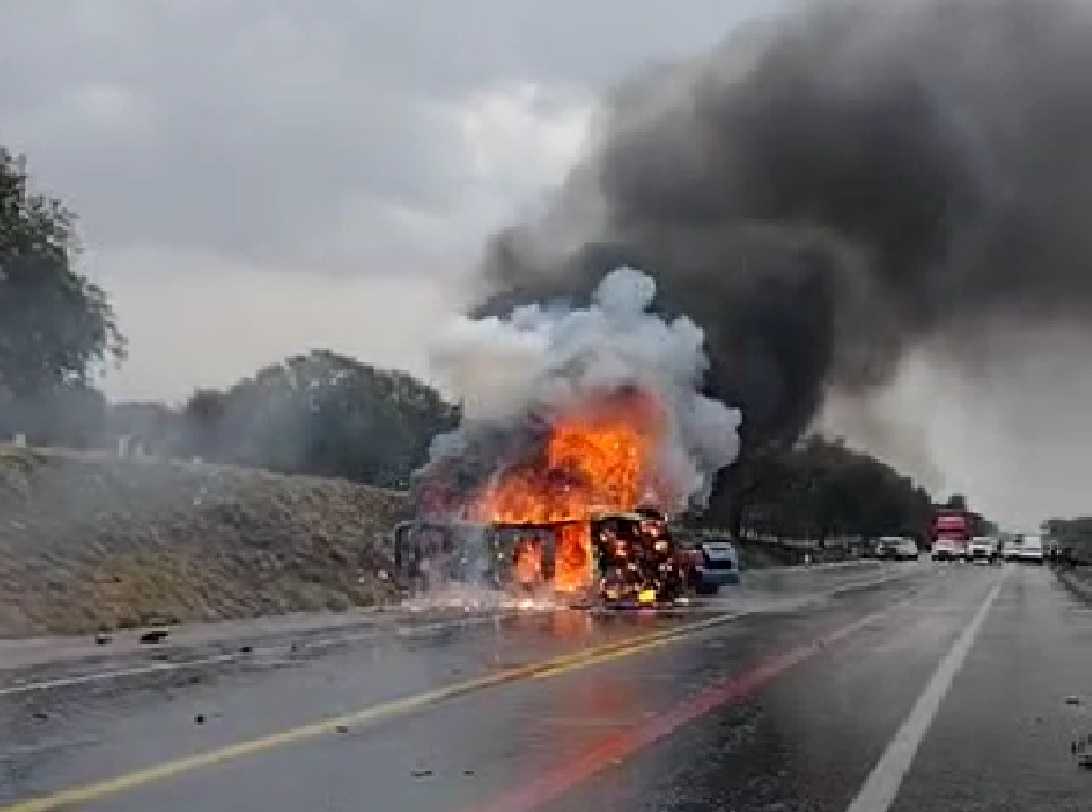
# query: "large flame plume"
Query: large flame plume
599,458
568,412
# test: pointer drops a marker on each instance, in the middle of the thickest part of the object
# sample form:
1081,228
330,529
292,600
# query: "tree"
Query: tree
56,327
819,488
747,491
956,501
1073,537
322,414
204,416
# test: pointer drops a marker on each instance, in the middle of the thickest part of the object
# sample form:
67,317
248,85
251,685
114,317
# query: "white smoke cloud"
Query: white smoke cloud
544,357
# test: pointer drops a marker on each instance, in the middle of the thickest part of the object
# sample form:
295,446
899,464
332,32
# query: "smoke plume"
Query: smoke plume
515,375
831,188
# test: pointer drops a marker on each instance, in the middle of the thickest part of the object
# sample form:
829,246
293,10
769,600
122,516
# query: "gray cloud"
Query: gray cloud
301,135
296,175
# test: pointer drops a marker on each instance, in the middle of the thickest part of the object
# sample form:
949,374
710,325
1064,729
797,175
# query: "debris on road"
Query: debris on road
153,636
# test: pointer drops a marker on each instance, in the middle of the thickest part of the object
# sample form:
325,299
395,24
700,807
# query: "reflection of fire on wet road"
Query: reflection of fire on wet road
470,598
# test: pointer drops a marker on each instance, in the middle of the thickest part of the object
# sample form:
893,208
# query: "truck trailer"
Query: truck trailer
951,532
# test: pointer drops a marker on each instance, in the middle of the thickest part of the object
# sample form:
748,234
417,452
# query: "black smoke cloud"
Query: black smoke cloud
829,189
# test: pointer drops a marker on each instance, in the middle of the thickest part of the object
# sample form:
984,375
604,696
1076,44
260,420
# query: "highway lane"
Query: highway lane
772,702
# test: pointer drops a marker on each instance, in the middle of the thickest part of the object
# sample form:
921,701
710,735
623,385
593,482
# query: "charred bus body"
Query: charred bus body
430,553
636,560
613,558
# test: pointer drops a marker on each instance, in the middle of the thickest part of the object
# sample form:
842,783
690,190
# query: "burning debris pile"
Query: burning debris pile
569,415
569,412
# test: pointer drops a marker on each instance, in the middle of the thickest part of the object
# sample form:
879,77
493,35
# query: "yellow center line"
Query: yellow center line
370,715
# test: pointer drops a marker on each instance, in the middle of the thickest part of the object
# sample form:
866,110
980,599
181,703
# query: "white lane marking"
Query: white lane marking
866,583
235,656
882,785
101,676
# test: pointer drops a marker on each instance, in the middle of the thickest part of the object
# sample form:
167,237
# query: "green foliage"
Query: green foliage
819,488
1073,537
956,501
321,414
56,327
1076,531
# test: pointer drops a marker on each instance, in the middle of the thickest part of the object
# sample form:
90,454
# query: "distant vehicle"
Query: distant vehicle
1011,550
897,548
948,549
711,563
951,533
983,550
1031,550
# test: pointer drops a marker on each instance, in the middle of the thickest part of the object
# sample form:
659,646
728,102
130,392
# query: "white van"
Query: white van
1031,550
982,550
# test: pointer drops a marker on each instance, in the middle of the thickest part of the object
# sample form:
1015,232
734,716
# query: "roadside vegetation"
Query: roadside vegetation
92,542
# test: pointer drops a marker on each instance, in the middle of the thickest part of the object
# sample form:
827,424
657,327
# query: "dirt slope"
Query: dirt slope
89,541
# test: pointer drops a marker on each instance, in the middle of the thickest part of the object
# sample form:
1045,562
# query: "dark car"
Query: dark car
710,563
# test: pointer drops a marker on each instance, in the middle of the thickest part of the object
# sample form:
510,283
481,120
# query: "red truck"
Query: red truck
951,532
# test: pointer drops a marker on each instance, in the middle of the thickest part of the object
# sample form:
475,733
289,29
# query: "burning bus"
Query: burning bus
614,558
580,430
573,517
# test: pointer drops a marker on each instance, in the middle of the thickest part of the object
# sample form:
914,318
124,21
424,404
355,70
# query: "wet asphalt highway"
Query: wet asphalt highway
912,687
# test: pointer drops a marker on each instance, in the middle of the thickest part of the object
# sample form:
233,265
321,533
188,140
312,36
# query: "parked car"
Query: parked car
983,550
711,563
949,549
1031,550
897,548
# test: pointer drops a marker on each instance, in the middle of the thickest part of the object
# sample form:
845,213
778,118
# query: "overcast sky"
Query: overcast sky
259,177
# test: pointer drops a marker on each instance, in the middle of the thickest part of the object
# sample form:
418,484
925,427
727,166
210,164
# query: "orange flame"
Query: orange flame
574,556
528,562
597,458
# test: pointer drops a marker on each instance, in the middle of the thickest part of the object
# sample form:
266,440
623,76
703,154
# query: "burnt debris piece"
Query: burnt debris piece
154,636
